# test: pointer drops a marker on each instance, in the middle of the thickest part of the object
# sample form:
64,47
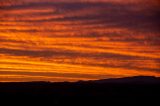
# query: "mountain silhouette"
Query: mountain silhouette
129,90
130,80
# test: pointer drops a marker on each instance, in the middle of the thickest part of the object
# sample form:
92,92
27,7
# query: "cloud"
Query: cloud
90,36
130,16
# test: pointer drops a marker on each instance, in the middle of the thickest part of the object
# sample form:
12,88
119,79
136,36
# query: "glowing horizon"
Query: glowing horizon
71,40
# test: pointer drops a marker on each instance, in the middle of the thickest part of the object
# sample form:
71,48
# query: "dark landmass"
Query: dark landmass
130,90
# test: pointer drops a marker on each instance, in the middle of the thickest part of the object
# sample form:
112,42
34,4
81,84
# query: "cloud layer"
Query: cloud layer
70,40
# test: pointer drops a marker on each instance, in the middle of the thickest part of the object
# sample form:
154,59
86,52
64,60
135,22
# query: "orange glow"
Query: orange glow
78,40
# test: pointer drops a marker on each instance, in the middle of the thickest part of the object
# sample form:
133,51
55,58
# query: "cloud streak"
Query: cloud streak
70,40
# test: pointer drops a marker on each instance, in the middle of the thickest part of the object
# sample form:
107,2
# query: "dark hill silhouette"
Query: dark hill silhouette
131,80
129,90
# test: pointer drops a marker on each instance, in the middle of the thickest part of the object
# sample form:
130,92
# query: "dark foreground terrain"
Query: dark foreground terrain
132,90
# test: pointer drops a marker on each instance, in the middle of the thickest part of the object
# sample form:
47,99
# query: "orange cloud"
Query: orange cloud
78,40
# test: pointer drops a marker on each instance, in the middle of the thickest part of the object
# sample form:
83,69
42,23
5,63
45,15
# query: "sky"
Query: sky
71,40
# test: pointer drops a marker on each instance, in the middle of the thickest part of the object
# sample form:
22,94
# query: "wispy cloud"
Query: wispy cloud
83,39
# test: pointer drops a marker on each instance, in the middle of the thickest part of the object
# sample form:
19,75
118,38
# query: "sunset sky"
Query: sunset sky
71,40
